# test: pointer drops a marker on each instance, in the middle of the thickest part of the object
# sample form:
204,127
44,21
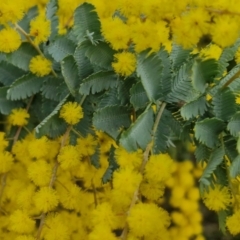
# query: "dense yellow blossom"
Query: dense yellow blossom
71,112
18,117
39,148
3,141
40,29
232,223
125,63
217,198
46,199
6,161
40,66
20,222
10,40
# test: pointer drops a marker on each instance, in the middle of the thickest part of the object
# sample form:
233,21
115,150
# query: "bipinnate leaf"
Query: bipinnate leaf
234,168
25,87
138,135
98,82
234,125
207,131
111,120
215,160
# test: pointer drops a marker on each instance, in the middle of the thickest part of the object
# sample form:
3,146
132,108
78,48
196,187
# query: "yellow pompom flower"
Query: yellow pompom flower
152,190
126,180
40,66
10,40
40,29
6,161
20,222
102,231
11,11
125,63
46,199
25,237
217,198
87,145
232,223
69,157
3,142
71,112
18,117
212,51
159,168
147,218
40,172
38,148
57,228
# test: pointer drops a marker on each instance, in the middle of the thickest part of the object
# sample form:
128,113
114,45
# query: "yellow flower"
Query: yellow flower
11,11
159,168
40,172
40,66
69,157
3,142
232,223
152,190
212,51
39,148
25,237
102,231
40,29
217,198
46,199
6,161
20,222
57,228
87,145
125,63
147,218
71,112
10,40
18,117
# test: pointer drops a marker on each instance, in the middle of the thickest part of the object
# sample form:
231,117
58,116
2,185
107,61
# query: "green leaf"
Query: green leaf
182,88
9,73
52,125
50,88
61,48
98,82
138,134
111,167
220,83
138,97
230,146
83,63
207,131
86,23
70,74
150,70
21,57
234,125
25,86
51,10
179,56
202,153
234,168
100,54
215,160
203,72
222,216
111,120
110,98
123,89
195,108
95,158
162,135
224,105
227,55
6,106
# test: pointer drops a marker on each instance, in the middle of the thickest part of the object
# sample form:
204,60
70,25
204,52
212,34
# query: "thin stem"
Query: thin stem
144,162
52,181
234,77
82,100
27,36
76,132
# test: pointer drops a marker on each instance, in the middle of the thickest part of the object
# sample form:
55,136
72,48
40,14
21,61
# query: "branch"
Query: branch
144,162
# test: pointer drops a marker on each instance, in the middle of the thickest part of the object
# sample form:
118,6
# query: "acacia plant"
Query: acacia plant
93,95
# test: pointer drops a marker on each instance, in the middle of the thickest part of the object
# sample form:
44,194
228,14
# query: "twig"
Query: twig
144,162
27,36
